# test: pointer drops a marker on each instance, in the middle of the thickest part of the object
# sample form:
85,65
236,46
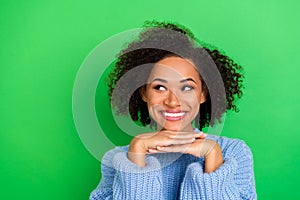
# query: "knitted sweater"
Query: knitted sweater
178,176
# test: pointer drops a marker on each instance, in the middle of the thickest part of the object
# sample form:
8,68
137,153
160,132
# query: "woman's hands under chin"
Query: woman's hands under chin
144,143
193,143
201,147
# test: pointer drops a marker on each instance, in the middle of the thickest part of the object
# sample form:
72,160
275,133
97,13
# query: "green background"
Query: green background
43,44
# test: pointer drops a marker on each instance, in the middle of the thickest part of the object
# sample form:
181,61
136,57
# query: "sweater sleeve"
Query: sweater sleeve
234,179
122,179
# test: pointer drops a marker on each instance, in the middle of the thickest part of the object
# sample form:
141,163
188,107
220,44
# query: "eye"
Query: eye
187,88
160,88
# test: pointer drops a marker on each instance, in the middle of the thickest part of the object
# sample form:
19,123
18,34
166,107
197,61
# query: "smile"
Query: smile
173,115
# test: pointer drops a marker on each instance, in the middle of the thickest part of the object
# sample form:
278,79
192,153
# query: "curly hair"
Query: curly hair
157,41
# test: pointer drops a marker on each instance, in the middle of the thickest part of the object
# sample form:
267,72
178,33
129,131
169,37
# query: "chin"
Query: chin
174,126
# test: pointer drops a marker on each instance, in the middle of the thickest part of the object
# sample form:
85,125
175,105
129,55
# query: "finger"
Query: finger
152,151
200,135
174,148
176,135
170,141
181,134
179,141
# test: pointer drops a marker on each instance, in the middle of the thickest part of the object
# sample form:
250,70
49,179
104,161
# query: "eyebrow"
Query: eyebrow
188,79
181,81
159,79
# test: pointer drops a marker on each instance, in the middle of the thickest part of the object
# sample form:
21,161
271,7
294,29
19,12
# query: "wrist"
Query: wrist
137,146
214,159
137,152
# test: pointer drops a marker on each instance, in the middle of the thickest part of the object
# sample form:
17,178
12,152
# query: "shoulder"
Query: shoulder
108,157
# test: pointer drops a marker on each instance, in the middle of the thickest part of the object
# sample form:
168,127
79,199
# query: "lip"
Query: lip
173,115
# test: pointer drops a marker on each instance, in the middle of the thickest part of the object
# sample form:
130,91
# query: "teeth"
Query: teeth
173,114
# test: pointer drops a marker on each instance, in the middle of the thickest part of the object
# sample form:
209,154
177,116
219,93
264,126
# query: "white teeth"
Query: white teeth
173,114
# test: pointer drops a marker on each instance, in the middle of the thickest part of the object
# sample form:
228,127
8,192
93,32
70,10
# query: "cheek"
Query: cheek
194,103
155,97
200,98
154,101
192,98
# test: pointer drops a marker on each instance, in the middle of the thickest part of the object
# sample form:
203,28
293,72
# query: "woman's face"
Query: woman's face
174,94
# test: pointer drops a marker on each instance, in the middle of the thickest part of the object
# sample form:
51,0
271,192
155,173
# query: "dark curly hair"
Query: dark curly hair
157,41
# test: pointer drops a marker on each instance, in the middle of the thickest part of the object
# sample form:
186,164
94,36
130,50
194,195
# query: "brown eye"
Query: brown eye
187,88
160,88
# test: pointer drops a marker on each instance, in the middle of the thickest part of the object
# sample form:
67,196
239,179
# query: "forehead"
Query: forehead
174,68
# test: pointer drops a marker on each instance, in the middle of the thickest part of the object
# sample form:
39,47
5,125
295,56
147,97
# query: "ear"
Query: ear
203,97
143,93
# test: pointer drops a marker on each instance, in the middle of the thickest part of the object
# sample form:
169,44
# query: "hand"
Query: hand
208,149
143,143
199,147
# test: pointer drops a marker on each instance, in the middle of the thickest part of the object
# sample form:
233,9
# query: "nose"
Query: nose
172,100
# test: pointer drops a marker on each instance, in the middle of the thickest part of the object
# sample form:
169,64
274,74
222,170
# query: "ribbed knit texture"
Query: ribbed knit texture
178,176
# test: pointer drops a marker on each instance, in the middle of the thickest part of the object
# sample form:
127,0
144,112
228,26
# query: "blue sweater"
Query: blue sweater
178,176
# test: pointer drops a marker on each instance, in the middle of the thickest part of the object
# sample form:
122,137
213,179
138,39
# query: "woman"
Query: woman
172,86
